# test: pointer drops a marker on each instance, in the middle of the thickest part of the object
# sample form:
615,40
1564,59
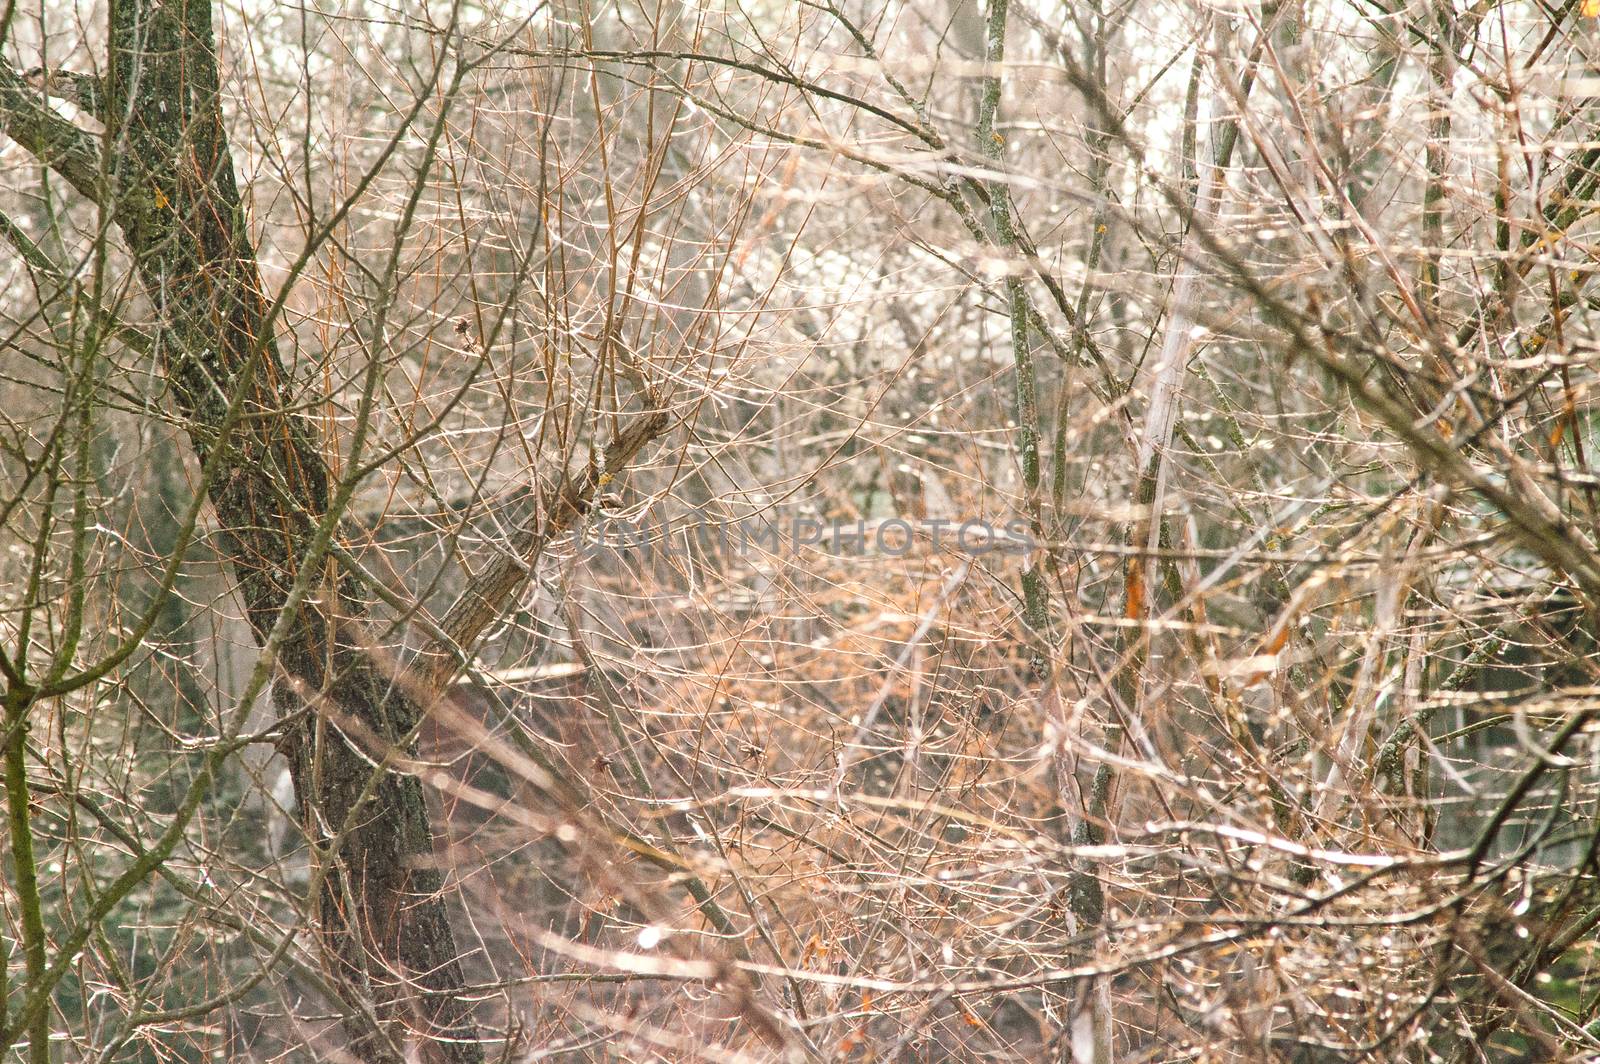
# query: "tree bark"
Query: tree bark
381,917
170,189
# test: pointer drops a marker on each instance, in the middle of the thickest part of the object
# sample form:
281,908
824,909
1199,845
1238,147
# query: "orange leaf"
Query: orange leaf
1134,610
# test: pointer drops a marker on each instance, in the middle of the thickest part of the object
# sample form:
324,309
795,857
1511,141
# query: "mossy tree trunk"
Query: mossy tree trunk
169,186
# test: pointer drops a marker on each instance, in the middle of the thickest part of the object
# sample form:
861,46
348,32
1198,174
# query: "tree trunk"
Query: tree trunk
171,190
384,929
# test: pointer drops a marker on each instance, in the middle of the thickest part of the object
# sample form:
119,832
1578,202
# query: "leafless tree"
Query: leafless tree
955,529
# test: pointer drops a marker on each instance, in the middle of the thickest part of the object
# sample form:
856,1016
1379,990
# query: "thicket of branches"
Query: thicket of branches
945,530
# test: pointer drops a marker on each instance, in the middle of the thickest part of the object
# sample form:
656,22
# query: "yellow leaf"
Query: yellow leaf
1590,9
161,197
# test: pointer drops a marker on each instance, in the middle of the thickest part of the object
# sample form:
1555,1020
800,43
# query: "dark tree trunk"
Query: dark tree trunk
169,186
170,183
